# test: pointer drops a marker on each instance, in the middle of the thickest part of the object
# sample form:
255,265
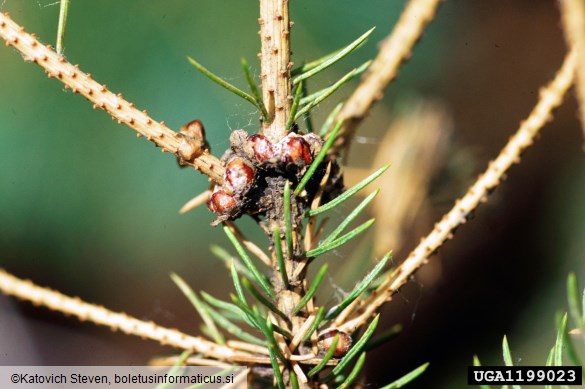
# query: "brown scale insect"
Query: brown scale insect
294,149
239,175
264,150
326,340
221,203
254,168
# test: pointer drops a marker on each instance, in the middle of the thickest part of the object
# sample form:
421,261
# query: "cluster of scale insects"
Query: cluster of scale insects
257,169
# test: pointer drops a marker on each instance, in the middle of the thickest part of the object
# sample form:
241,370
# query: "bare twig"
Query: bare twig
300,374
196,201
189,150
74,306
550,98
245,346
275,66
396,49
58,302
573,17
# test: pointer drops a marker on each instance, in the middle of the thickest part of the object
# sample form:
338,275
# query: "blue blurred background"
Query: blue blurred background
88,209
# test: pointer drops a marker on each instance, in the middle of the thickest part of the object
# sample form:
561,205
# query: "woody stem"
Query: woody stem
275,66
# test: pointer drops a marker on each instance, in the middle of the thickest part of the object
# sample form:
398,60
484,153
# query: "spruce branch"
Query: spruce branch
573,18
191,151
289,317
393,52
551,97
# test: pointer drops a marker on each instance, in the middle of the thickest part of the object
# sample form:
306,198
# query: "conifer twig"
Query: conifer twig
573,18
394,50
196,201
245,346
275,66
74,306
189,150
550,97
59,302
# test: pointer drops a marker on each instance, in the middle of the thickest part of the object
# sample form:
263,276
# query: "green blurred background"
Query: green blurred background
88,209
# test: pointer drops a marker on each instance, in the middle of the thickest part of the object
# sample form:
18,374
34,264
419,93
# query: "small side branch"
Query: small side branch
573,17
395,49
190,151
550,97
58,302
74,306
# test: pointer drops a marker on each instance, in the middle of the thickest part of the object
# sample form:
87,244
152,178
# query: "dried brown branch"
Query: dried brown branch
74,306
245,346
551,97
58,302
573,17
275,66
395,49
191,151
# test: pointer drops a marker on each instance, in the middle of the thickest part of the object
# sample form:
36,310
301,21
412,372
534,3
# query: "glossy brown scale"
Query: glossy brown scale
326,340
294,149
264,150
239,175
256,173
221,202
